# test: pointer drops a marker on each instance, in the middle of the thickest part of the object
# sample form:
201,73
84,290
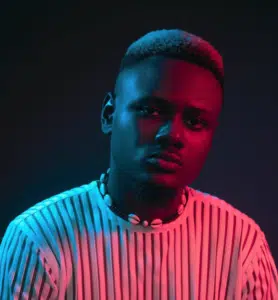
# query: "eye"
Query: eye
149,111
196,123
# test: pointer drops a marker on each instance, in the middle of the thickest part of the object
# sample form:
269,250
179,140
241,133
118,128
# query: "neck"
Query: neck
143,199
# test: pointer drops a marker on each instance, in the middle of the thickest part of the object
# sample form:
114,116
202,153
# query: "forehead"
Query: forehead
179,82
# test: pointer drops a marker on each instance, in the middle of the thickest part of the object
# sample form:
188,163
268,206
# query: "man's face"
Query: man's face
164,105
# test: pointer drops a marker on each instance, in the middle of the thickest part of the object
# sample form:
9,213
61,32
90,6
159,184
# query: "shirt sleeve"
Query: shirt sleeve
24,270
260,279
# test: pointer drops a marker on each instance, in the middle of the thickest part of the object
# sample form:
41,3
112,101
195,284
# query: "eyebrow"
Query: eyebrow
160,100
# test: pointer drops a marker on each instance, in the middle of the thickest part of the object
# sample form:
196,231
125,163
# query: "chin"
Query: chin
165,180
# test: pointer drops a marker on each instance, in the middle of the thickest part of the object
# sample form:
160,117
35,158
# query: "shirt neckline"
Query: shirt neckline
124,224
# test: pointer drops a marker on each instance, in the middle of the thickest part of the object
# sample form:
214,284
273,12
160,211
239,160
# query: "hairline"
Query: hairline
135,64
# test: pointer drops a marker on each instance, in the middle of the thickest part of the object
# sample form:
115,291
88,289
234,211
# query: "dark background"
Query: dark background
57,63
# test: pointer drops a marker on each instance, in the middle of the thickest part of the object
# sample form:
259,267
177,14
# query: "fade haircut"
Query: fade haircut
177,44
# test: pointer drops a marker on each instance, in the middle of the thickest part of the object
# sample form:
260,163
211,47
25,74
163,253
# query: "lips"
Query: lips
168,157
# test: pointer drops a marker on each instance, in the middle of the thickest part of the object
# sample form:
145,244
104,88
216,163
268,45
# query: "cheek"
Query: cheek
146,131
124,126
121,133
134,131
200,144
122,119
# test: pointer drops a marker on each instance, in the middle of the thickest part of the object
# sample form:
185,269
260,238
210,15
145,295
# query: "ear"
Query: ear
107,112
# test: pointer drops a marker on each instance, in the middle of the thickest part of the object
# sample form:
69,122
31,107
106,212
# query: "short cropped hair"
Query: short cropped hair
178,44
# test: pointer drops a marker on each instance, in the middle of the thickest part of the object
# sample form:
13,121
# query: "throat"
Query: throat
154,203
145,201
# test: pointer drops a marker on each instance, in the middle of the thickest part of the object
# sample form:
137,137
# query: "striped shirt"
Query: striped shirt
72,246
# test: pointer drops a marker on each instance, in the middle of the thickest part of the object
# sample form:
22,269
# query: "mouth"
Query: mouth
168,156
166,161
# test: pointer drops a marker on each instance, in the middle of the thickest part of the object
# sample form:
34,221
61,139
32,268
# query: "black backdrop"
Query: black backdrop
58,61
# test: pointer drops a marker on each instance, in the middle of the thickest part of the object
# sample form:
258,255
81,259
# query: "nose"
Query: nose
171,133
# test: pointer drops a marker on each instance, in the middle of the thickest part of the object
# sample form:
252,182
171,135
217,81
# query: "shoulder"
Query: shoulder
59,203
222,209
229,222
44,228
49,220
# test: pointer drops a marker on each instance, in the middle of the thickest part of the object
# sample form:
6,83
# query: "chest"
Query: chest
190,262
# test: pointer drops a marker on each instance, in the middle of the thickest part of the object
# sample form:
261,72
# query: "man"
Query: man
140,232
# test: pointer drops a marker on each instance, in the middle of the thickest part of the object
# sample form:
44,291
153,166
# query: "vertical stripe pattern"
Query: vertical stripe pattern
71,246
